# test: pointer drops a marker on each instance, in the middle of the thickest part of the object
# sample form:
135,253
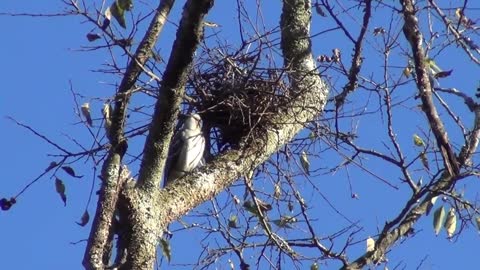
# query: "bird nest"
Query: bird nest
234,96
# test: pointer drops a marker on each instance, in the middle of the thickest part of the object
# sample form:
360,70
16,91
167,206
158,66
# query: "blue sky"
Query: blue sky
42,57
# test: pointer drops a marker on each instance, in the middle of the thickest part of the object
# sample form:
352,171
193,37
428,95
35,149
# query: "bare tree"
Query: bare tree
280,117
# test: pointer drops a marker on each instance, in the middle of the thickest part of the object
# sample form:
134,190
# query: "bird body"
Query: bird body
186,150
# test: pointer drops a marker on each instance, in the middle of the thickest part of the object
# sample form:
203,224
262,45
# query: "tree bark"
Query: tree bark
150,209
96,256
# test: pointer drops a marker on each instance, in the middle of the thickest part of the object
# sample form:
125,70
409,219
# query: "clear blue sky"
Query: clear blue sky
41,56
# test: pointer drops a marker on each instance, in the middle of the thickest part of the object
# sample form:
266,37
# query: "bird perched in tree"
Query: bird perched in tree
186,149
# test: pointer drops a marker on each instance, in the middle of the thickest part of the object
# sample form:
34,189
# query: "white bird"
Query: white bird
186,149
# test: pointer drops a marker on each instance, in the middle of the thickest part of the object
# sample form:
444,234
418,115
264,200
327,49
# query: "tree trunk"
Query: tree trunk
148,210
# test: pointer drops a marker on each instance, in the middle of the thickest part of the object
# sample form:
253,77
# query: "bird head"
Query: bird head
193,121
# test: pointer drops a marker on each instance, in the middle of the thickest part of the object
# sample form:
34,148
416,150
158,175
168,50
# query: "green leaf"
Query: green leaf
431,64
277,191
251,207
6,204
370,244
407,71
231,265
71,172
451,222
417,140
93,36
232,222
420,182
86,113
107,117
443,74
117,12
285,221
60,188
379,31
430,204
305,163
319,10
84,220
166,249
290,206
236,200
124,42
438,218
52,165
423,158
125,4
210,24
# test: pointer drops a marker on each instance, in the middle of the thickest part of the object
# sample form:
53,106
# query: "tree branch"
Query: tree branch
391,234
412,32
98,240
144,228
356,59
153,209
167,107
412,211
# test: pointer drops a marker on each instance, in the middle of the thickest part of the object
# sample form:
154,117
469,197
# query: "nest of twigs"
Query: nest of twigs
234,96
